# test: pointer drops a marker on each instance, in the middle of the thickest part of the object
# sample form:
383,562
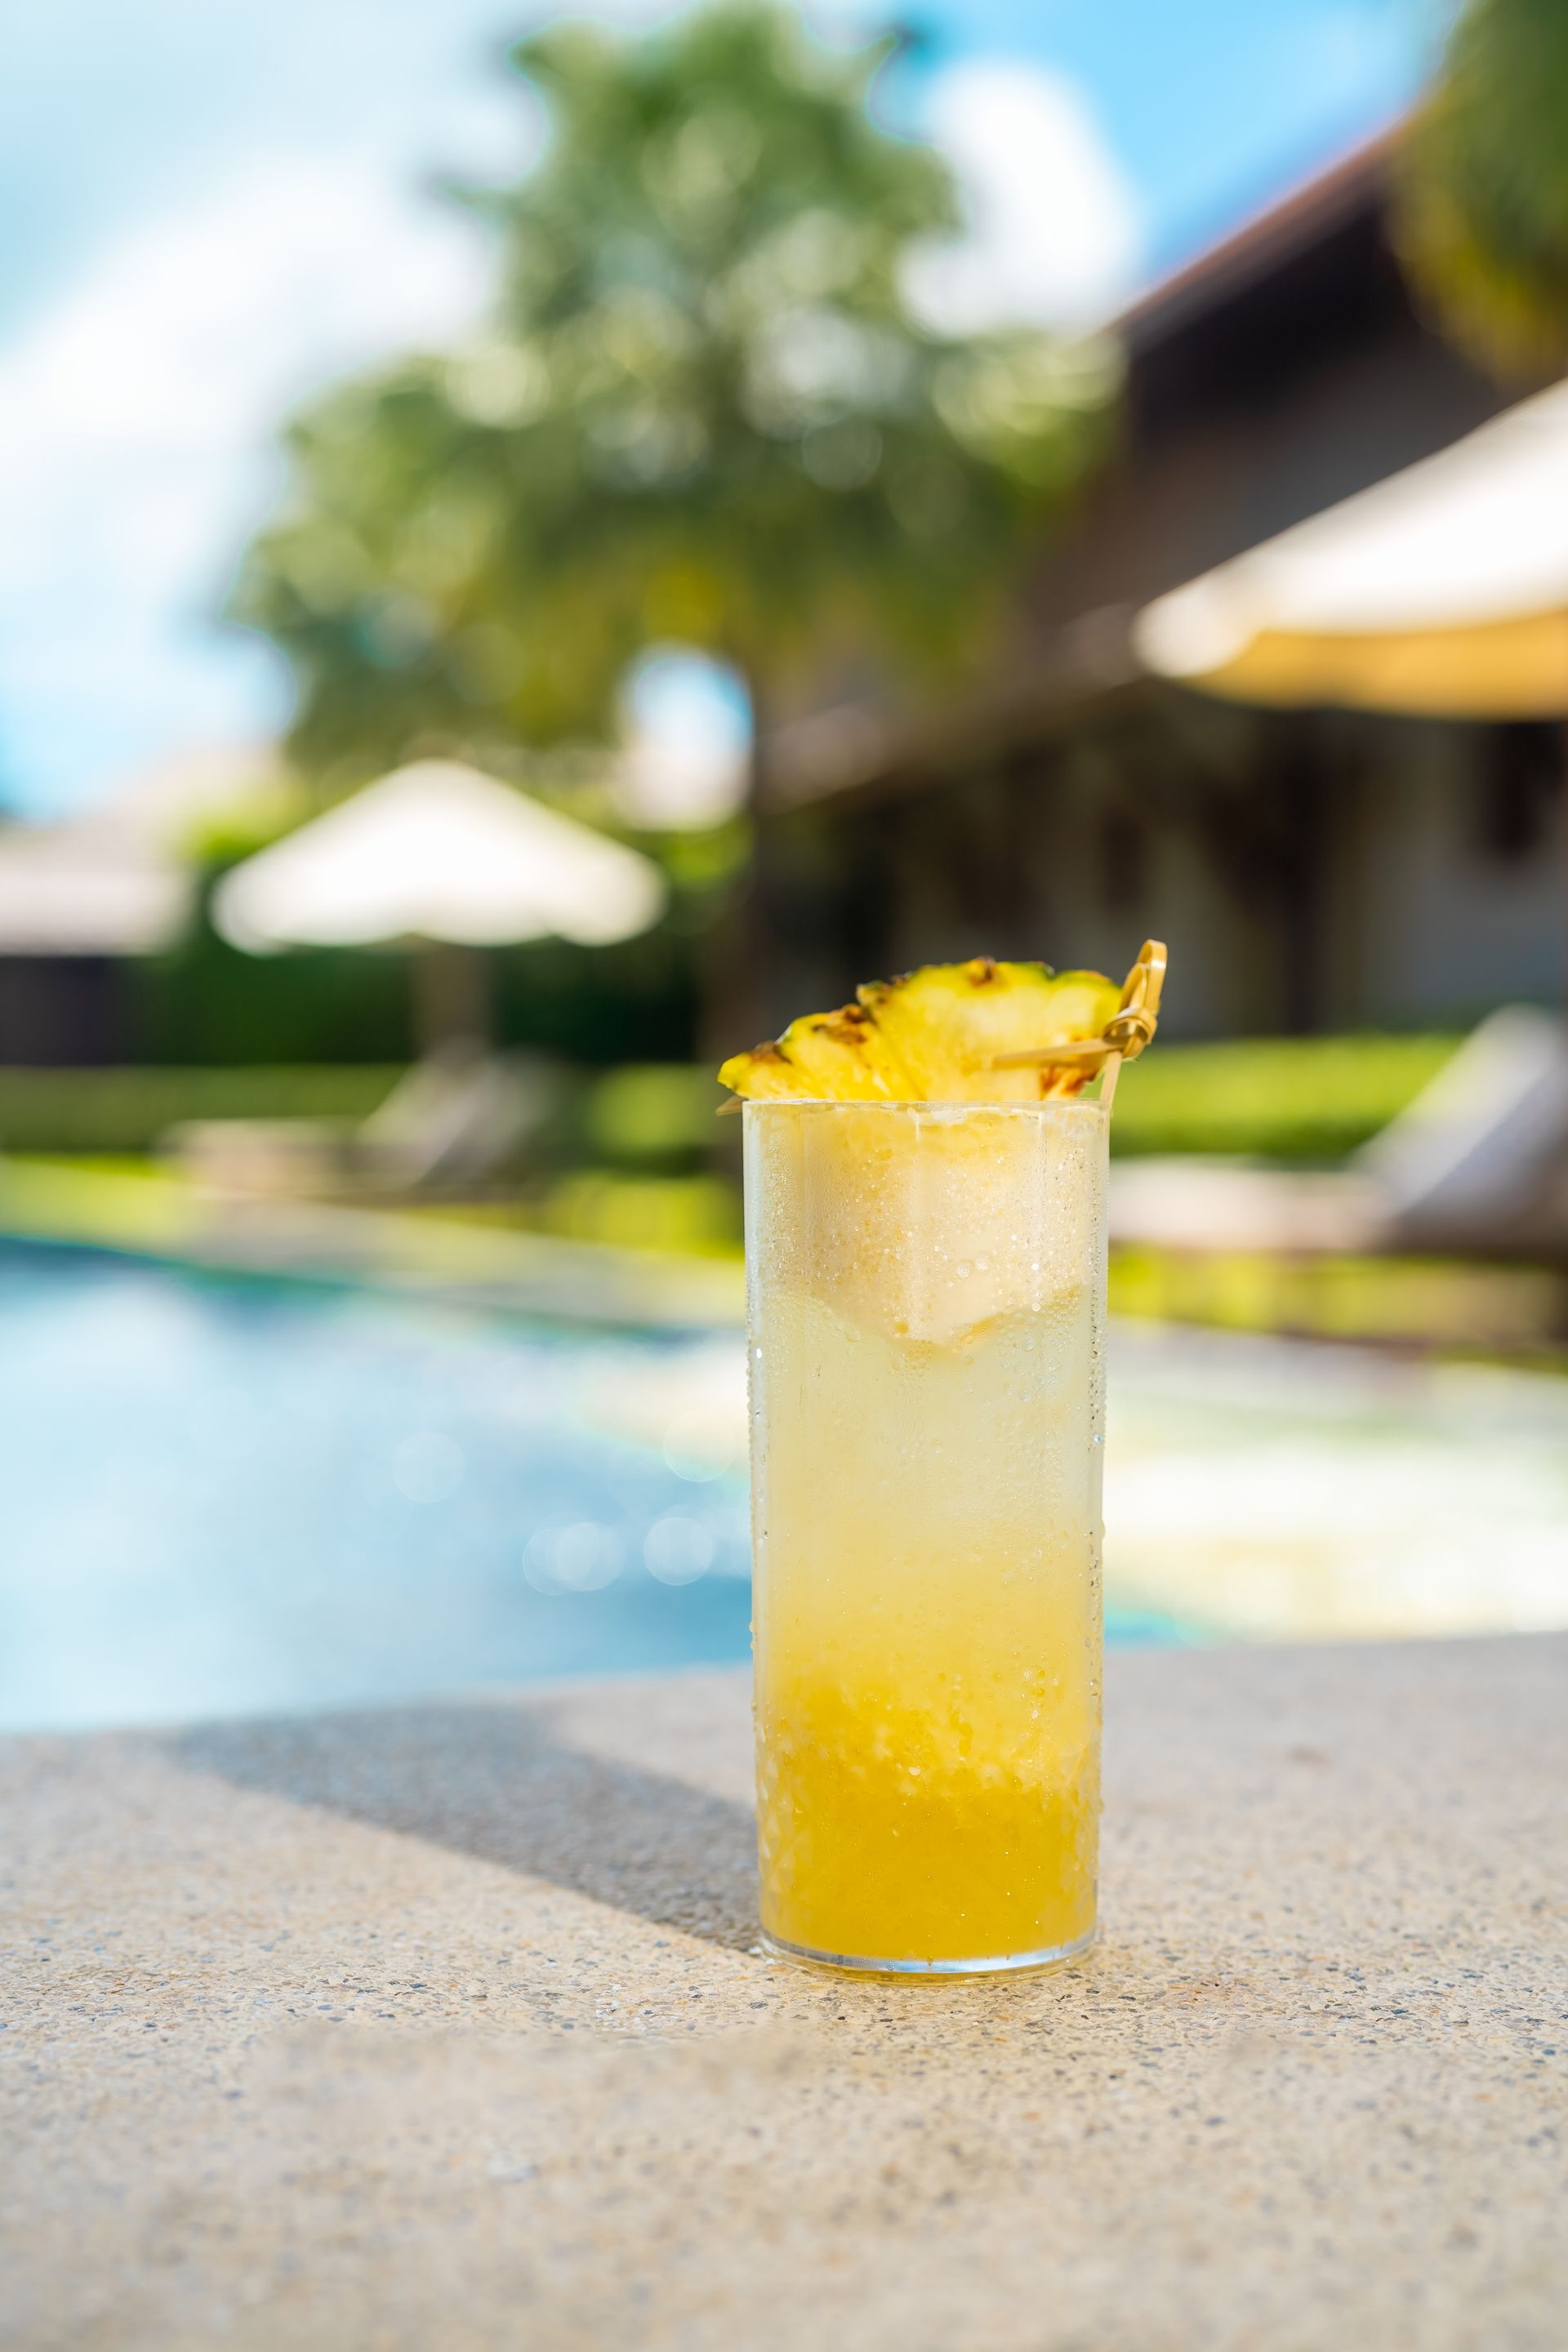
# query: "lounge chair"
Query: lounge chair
1477,1165
1479,1161
451,1123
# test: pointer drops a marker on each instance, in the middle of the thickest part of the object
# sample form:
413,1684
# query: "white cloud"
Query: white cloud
1054,237
139,410
137,424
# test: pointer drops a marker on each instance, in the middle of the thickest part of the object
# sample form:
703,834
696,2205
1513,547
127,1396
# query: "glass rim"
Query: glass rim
1055,1107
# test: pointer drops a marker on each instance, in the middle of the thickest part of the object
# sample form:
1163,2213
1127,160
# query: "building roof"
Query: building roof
1354,183
1281,370
118,880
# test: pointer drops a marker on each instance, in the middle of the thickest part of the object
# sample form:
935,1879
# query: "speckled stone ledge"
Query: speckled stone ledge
442,2028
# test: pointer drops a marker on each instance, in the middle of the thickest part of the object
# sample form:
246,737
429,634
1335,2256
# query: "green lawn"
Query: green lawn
1451,1306
125,1111
1305,1098
1279,1098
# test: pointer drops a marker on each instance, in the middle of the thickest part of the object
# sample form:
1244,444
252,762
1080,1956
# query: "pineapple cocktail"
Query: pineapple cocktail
926,1279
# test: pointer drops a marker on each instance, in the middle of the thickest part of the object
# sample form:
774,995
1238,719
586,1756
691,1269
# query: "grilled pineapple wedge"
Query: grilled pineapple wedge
958,1033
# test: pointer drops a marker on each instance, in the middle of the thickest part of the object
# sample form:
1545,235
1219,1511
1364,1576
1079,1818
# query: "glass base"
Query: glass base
1013,1964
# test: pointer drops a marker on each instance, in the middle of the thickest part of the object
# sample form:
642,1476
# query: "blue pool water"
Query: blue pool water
221,1497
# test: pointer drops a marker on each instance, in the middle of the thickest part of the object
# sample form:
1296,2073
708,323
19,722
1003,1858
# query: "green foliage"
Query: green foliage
1510,1311
1483,192
697,1213
654,1113
702,411
204,1003
233,830
1308,1098
207,1003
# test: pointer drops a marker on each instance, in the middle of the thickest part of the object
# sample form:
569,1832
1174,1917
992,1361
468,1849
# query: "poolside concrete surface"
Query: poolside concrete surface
442,2027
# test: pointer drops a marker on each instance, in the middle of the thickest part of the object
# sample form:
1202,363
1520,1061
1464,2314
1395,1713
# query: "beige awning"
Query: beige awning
1441,592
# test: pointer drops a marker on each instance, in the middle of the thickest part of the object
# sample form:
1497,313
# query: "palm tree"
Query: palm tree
702,411
1483,211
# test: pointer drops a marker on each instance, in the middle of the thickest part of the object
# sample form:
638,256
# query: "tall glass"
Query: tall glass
926,1287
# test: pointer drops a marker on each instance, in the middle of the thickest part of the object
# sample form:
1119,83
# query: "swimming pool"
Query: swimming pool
223,1497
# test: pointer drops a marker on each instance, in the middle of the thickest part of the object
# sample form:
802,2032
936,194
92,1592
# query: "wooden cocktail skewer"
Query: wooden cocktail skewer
1123,1038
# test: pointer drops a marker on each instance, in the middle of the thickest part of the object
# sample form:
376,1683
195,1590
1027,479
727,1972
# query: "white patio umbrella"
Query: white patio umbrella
439,851
1440,592
438,854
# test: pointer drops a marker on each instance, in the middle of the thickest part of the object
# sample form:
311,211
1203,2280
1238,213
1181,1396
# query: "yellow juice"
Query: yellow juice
925,1344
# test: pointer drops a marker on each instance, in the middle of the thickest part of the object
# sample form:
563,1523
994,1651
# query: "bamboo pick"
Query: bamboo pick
1125,1035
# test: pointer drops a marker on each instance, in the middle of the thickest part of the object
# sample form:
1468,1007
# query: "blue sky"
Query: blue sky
213,209
1210,106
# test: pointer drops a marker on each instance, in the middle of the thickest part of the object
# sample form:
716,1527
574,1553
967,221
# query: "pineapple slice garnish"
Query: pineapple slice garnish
979,1031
